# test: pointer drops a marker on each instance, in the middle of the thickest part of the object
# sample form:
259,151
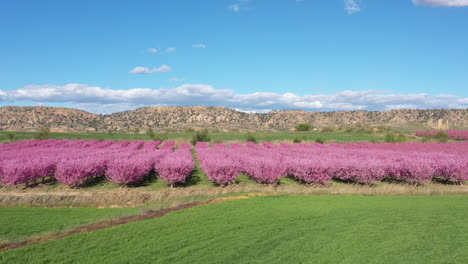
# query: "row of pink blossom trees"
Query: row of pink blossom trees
354,162
76,162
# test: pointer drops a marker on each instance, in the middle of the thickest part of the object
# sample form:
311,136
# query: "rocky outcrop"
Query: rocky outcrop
15,118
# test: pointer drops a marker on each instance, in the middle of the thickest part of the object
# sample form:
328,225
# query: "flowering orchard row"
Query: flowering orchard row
454,134
74,162
317,163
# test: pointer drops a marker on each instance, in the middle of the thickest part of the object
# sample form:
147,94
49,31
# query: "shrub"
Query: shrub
303,127
200,136
297,140
43,133
401,138
150,133
320,140
392,138
161,137
442,137
10,136
249,137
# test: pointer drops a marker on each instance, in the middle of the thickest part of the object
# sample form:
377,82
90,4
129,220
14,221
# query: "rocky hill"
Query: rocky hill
15,118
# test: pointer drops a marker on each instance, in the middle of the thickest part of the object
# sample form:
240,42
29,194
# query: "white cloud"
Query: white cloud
235,7
441,3
2,95
447,96
152,50
352,6
239,5
93,98
175,79
144,70
170,50
199,46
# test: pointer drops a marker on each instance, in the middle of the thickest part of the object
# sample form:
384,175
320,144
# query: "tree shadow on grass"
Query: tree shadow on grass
445,181
46,181
401,182
148,180
193,179
356,183
91,182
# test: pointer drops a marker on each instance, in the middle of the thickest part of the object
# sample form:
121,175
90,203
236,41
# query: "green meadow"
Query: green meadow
273,229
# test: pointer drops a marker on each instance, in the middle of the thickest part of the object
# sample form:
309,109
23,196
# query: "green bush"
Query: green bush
157,137
392,138
10,136
320,140
150,133
297,140
303,127
401,138
442,137
200,136
249,137
161,137
43,133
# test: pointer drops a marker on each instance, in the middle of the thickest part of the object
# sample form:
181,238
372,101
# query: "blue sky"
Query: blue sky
252,55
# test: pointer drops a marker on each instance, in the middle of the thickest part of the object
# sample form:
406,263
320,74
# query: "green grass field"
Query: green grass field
22,222
276,229
220,136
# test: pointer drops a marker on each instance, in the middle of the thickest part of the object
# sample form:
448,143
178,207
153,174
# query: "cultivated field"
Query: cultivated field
103,201
277,229
78,163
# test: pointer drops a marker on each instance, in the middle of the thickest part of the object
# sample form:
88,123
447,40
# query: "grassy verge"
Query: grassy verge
278,229
108,195
219,136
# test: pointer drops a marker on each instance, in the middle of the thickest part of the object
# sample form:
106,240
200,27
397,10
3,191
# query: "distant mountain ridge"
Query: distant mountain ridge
60,119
